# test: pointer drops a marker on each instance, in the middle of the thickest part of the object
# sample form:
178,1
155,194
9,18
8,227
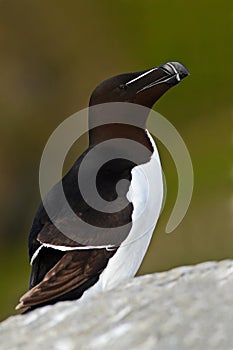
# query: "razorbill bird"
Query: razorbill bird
67,268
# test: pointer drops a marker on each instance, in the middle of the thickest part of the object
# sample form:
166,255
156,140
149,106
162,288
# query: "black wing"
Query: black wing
59,273
75,272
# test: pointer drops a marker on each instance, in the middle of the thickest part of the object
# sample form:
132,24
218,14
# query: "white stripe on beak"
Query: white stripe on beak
140,76
175,71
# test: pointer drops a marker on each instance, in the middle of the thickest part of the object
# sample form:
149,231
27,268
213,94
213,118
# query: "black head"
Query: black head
143,88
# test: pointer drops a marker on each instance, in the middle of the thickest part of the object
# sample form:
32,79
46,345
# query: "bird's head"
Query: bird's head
143,88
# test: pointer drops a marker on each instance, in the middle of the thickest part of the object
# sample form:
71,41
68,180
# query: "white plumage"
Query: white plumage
146,194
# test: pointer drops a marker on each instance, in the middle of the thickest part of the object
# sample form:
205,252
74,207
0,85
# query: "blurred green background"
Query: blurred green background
52,56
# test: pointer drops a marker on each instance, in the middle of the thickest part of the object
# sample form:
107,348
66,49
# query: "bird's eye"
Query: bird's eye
123,86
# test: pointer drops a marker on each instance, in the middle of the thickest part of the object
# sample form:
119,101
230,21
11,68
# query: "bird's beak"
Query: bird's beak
170,73
148,86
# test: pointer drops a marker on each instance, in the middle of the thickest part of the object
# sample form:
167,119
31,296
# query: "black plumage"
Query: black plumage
66,273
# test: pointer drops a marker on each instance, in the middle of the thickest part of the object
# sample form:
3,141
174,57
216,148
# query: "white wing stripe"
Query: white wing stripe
65,248
35,254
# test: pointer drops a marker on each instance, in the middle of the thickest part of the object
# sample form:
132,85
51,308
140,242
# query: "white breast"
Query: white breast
146,194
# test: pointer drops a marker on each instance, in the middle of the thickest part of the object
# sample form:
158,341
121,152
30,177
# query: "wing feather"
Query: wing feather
72,271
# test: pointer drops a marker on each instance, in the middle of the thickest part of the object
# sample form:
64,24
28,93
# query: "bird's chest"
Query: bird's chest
146,194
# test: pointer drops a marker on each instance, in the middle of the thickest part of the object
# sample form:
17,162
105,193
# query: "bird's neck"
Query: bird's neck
113,121
106,132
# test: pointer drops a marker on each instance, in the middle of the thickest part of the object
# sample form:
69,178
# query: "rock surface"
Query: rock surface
185,308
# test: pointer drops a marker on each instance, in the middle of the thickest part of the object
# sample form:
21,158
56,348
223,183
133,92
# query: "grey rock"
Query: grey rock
185,308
